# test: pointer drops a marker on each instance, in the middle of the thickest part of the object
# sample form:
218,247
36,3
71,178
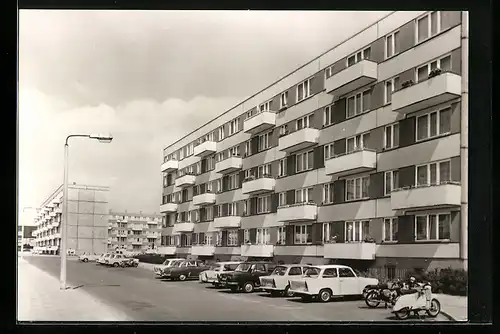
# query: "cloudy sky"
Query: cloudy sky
147,77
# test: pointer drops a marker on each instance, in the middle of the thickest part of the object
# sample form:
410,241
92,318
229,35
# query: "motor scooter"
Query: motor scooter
416,300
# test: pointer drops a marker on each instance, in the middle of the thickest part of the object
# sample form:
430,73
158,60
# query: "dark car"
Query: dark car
183,270
246,276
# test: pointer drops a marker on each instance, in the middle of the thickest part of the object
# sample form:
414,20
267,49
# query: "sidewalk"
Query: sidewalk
454,307
40,299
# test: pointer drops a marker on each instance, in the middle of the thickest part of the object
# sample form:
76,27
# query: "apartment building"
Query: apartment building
353,158
135,232
25,236
87,220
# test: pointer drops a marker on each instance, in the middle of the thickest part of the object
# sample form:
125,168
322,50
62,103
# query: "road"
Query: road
142,297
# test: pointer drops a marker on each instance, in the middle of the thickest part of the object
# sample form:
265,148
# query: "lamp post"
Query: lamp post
27,208
64,230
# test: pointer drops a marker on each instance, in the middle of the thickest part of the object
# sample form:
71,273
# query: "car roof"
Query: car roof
257,262
294,265
229,262
325,266
176,259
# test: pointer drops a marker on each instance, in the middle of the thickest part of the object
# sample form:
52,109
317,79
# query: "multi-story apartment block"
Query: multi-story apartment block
25,236
87,220
355,157
135,232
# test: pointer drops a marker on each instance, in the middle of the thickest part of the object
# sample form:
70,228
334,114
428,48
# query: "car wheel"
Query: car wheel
287,292
116,265
325,295
85,260
182,277
248,287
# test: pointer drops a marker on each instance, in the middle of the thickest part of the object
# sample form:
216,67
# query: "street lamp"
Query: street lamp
22,229
64,230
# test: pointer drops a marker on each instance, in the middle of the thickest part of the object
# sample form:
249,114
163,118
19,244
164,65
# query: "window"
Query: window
304,122
295,271
357,142
232,238
328,193
357,230
443,63
208,239
304,90
391,136
357,188
221,133
282,168
247,235
327,233
358,56
303,195
188,240
234,126
390,87
330,273
234,151
218,238
284,100
391,181
391,272
263,236
434,124
392,44
282,198
428,26
328,151
232,209
346,272
390,231
304,161
218,210
196,215
266,106
358,103
248,173
264,204
264,142
281,235
433,227
234,181
209,213
328,115
264,171
303,234
283,130
248,148
188,217
434,173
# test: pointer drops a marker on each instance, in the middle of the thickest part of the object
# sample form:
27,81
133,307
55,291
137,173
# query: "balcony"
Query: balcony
257,250
297,212
203,250
137,227
428,93
136,242
204,199
259,122
185,181
167,250
258,186
350,250
428,196
58,210
151,235
229,165
57,235
299,140
205,148
169,166
227,222
359,161
168,207
183,228
351,78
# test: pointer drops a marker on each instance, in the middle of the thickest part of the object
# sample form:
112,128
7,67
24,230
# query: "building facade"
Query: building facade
87,220
25,236
353,158
135,232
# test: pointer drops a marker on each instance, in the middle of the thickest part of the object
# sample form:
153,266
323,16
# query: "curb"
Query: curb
447,316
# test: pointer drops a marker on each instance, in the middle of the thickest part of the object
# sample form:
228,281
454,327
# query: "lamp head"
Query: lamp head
102,138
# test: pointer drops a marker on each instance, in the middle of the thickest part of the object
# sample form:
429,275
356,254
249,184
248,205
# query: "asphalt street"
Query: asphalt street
141,296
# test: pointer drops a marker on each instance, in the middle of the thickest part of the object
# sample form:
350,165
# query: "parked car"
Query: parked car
129,262
102,259
167,263
116,260
329,280
278,283
183,270
210,275
86,257
246,276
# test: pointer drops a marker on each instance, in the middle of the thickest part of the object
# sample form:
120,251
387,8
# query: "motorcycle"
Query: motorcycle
382,293
417,300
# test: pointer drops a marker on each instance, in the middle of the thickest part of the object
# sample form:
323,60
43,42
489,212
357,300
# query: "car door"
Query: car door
191,268
348,282
258,270
199,267
332,281
294,272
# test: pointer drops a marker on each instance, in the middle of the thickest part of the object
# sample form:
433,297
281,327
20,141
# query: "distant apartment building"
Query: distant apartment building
26,238
87,220
135,232
354,158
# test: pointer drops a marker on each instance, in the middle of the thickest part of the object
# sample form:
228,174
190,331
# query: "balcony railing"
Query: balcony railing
260,122
350,250
445,194
203,250
263,184
229,165
205,148
227,222
257,250
299,140
168,207
204,199
297,212
169,166
185,227
352,78
185,180
357,161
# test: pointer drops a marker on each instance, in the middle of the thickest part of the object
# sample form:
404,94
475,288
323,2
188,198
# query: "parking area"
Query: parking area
143,297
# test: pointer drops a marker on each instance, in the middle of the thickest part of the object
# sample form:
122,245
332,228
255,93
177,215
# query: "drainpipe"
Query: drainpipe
464,140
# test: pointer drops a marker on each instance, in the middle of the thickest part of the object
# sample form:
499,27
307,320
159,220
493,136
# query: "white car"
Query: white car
329,280
86,257
115,260
210,276
102,258
166,264
278,283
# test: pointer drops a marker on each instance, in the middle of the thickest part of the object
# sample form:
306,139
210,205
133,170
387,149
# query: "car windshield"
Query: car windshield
243,267
176,264
280,271
312,272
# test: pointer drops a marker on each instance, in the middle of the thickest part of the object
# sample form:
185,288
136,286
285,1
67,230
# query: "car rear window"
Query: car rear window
312,272
279,271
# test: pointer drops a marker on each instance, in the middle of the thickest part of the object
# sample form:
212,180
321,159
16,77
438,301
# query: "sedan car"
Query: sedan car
102,259
183,270
166,264
210,275
116,260
278,283
88,257
246,276
326,281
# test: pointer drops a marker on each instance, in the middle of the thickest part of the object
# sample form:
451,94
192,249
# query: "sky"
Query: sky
148,78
